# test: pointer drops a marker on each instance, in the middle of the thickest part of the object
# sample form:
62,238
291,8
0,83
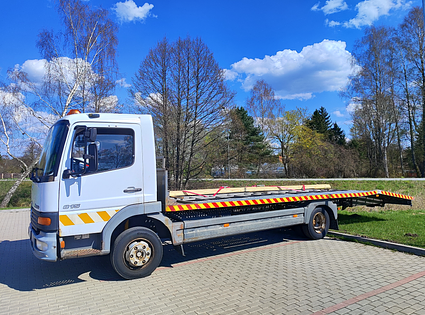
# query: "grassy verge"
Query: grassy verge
403,226
22,196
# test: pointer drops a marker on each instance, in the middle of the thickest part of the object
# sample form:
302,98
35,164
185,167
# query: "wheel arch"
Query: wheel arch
128,217
330,207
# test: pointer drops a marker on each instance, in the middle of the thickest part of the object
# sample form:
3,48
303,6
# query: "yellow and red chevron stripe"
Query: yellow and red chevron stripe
386,193
254,202
86,217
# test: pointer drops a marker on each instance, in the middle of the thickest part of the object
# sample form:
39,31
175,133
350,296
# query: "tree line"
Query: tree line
388,94
199,130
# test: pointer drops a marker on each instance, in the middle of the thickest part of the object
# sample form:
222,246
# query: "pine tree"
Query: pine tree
337,135
320,121
248,142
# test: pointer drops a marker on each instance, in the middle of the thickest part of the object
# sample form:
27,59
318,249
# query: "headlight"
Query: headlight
41,245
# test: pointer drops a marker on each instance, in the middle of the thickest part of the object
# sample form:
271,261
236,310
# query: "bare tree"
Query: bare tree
261,104
374,118
151,89
407,98
181,85
411,42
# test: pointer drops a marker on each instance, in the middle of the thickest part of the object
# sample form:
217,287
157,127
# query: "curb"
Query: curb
384,244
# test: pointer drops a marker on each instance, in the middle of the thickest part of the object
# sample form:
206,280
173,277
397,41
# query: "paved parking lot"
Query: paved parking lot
272,272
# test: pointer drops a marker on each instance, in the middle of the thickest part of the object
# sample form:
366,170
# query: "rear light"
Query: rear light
44,221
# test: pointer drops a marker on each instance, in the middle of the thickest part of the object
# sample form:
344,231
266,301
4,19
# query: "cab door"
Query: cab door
94,193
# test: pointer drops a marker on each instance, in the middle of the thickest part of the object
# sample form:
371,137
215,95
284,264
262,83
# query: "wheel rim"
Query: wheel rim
319,222
138,253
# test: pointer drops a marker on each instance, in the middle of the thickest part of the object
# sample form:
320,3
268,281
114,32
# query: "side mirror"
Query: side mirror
90,134
66,174
87,160
92,157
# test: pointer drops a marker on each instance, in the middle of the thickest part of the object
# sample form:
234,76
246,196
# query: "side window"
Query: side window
115,149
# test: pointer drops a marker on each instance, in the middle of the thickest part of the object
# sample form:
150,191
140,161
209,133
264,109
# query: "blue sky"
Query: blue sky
301,48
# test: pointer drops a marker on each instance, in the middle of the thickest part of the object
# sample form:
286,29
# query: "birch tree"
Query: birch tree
80,66
411,44
261,104
374,118
78,71
18,129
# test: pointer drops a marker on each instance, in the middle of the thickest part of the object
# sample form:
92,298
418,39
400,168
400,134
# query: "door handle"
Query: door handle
132,190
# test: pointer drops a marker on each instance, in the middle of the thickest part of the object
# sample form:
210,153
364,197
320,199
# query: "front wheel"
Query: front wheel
136,253
318,224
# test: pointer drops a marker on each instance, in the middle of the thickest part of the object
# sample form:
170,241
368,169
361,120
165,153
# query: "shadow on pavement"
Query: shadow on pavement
22,271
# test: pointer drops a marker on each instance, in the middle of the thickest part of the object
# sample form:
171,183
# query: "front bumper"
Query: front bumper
44,245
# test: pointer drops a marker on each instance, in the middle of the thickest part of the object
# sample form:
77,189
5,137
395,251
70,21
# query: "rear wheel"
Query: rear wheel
318,224
136,253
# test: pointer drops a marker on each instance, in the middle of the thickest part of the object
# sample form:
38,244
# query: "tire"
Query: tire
136,253
318,224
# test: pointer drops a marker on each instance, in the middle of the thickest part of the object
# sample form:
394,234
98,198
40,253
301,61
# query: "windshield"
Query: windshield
47,167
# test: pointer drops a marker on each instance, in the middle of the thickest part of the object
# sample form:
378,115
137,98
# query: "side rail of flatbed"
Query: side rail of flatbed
207,216
344,199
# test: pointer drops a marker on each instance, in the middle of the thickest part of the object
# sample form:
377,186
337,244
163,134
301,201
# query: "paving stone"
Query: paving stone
272,272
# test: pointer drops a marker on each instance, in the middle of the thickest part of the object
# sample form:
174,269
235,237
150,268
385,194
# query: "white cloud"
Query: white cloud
332,23
128,11
331,6
109,103
299,96
15,112
152,100
369,11
316,7
352,106
337,113
230,75
317,68
34,68
63,70
123,83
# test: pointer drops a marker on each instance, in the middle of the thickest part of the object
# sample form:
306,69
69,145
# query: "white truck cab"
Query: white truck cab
75,195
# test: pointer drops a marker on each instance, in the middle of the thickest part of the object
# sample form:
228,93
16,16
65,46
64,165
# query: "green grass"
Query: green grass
22,196
402,226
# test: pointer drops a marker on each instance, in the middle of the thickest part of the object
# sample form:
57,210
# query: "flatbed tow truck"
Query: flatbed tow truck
97,191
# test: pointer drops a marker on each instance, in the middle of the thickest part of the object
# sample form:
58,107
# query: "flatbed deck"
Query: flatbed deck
343,198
